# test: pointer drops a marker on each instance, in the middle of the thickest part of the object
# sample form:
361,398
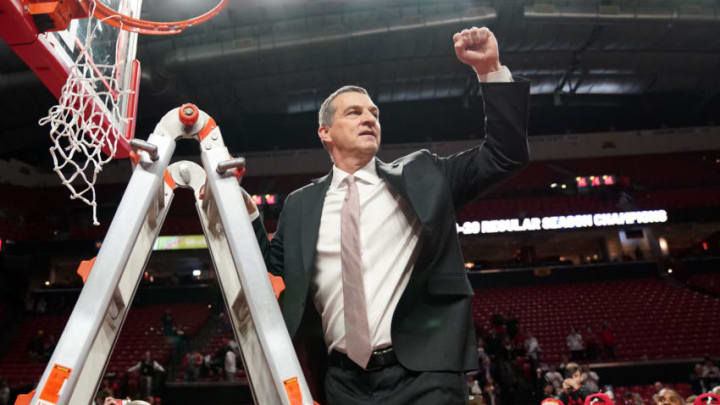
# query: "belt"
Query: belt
379,359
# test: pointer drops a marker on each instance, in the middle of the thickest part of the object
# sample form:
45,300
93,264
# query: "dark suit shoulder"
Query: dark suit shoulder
417,155
296,195
308,188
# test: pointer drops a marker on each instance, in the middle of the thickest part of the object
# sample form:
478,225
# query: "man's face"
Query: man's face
355,129
577,376
666,396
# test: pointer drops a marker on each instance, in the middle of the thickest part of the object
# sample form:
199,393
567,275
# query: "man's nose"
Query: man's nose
369,117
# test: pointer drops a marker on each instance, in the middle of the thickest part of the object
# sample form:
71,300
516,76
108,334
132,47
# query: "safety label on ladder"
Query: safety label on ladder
293,391
54,385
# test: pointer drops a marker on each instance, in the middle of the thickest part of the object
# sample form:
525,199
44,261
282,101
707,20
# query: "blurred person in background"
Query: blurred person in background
658,386
633,398
592,345
573,392
491,392
168,322
697,380
194,361
555,378
475,396
548,391
532,348
147,367
607,339
711,373
668,396
473,385
575,344
590,379
230,365
4,392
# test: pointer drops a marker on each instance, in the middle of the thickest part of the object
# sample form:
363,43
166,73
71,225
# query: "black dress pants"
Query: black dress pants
394,385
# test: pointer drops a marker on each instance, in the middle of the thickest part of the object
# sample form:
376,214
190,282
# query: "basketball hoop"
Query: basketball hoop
127,23
98,103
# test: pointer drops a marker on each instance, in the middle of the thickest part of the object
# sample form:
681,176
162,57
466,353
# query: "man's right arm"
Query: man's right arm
272,250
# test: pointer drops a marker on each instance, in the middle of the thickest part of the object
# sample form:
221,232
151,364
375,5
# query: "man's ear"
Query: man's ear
324,134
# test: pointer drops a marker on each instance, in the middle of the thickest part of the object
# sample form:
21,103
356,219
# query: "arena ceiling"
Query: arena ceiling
262,68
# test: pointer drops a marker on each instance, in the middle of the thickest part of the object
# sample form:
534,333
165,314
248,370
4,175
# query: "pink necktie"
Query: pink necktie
357,331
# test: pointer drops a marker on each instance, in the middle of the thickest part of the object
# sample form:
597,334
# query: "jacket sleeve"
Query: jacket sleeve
272,250
476,171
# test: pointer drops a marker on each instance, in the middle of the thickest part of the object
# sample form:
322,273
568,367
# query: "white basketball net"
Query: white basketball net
79,124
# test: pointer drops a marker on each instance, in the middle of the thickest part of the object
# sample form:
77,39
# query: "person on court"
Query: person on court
373,247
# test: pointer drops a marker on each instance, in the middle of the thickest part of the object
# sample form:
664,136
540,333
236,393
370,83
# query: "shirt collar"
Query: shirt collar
367,174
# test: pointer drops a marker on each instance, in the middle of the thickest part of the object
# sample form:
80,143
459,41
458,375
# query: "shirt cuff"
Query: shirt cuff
254,215
498,76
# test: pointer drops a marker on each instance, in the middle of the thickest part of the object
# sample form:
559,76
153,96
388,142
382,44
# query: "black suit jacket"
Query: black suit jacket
432,327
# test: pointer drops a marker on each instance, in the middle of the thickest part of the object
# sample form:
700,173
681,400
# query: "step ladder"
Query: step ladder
75,370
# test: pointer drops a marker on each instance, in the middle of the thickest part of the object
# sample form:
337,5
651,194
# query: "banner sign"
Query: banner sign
179,242
562,222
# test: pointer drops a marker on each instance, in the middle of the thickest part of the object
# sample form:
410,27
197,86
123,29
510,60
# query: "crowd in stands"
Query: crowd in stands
591,346
219,359
512,370
218,366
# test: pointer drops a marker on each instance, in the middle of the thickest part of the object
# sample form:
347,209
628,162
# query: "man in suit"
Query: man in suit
374,247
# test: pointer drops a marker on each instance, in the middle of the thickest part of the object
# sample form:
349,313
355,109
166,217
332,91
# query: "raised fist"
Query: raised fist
478,48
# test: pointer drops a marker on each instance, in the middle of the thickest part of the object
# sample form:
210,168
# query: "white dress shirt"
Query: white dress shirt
389,233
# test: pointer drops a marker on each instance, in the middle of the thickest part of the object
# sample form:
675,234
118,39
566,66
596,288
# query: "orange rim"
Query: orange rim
127,23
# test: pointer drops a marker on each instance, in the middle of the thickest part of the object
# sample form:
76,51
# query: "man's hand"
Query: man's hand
570,384
478,48
249,203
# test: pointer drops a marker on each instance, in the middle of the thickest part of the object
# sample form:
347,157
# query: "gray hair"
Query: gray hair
327,108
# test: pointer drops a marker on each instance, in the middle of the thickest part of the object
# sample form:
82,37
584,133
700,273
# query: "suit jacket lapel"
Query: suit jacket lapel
312,205
392,173
411,189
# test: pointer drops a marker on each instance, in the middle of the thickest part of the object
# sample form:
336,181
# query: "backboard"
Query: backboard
51,56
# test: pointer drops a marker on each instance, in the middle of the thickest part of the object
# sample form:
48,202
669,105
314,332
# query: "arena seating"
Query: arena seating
648,316
709,282
18,367
142,331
